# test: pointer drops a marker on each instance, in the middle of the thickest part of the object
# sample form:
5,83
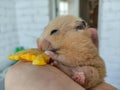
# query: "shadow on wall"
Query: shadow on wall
1,82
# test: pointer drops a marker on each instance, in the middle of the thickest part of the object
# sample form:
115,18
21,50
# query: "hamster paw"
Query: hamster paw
54,63
79,77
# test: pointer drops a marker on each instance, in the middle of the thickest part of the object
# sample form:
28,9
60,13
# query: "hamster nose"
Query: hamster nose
43,44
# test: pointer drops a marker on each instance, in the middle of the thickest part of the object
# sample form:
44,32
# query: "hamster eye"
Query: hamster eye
81,25
53,31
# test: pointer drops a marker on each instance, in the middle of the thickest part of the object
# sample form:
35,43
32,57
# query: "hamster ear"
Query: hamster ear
94,36
80,25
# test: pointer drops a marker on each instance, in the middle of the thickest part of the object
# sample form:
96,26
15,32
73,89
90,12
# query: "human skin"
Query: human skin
25,76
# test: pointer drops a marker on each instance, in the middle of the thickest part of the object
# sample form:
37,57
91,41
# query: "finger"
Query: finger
94,36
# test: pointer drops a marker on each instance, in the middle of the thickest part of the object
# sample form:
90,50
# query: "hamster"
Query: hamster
70,43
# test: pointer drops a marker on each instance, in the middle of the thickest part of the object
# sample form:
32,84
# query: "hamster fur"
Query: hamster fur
70,39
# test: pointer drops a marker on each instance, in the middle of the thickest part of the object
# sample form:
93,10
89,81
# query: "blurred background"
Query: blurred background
23,21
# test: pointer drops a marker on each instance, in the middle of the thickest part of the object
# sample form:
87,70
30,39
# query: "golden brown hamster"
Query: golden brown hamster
69,41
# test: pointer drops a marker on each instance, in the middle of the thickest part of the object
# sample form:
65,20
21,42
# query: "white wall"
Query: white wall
74,7
21,23
32,16
8,32
109,34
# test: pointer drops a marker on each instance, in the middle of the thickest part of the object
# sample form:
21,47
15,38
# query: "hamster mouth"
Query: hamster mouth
55,49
